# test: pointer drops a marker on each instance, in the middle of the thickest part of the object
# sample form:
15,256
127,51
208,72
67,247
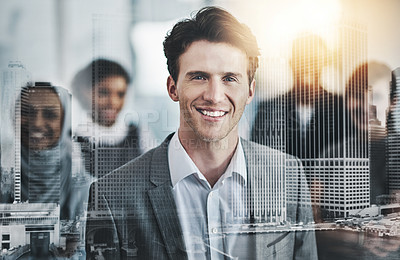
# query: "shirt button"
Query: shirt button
214,230
211,194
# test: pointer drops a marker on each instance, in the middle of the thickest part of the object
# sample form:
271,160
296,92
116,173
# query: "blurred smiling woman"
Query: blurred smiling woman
46,146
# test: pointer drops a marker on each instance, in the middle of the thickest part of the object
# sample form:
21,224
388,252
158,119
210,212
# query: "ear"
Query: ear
252,89
172,90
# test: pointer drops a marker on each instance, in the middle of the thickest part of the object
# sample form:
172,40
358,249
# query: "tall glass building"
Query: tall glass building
393,132
13,79
323,118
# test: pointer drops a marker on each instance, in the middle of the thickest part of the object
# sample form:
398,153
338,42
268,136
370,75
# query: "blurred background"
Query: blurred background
55,39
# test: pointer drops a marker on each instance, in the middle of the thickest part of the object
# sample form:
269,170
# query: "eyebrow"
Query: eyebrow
206,74
197,73
236,74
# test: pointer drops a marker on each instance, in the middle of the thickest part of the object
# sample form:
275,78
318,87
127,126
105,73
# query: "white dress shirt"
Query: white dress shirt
204,211
305,113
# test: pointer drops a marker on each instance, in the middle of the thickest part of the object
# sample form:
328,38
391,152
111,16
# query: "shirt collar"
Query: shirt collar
181,165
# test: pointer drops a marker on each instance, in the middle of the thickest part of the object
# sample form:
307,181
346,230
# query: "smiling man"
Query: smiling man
205,193
212,89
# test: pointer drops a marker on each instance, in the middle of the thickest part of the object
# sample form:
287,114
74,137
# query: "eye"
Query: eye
121,94
103,92
50,113
198,77
32,111
29,113
230,79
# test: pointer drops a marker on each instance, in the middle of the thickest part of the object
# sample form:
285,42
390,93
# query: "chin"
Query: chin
106,123
206,137
210,139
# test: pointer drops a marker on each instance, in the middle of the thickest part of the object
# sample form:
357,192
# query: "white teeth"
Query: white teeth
212,113
37,135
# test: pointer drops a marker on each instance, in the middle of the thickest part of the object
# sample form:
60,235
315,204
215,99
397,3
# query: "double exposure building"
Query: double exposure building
393,135
34,224
320,119
30,220
13,79
377,156
45,143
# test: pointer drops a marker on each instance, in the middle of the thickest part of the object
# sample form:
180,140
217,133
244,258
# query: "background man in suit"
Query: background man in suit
313,117
204,193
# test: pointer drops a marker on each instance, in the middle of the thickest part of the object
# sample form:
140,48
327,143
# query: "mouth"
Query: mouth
109,113
37,135
212,113
38,141
107,117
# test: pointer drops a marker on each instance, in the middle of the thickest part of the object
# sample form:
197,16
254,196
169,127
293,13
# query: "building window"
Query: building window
5,246
6,237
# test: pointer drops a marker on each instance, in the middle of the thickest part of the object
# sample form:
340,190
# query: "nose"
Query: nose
37,120
214,91
115,101
112,101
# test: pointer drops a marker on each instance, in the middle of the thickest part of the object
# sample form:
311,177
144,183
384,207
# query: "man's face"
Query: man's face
308,71
110,99
42,122
309,56
212,89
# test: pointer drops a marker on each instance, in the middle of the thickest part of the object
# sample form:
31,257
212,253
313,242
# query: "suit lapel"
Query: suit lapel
256,164
252,164
262,164
163,203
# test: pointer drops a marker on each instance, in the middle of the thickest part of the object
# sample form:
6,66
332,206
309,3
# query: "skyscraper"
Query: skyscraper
377,148
13,79
43,159
320,119
393,135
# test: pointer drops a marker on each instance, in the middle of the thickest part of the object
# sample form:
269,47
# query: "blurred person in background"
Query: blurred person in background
308,111
307,120
46,146
100,89
102,85
46,165
366,108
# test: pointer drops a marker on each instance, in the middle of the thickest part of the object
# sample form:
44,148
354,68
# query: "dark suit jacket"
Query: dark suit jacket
277,120
141,209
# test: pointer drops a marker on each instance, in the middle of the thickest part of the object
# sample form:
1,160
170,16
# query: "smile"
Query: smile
214,114
37,135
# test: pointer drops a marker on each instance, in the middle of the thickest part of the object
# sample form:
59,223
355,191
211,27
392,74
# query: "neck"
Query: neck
211,157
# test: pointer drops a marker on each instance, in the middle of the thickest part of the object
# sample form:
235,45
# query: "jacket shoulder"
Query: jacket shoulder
137,168
255,149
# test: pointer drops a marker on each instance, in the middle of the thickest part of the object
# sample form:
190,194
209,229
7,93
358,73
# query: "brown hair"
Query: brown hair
214,25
